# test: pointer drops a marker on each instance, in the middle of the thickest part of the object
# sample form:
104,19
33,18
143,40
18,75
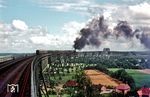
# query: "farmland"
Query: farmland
140,78
98,77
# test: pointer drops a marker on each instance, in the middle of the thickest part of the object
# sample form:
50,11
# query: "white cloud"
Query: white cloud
18,24
28,39
137,15
72,28
40,40
13,40
65,5
141,9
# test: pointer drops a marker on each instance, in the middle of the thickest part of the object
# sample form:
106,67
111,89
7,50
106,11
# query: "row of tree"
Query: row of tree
123,76
127,63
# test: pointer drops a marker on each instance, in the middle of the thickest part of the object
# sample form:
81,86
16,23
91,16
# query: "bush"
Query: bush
52,92
113,94
123,76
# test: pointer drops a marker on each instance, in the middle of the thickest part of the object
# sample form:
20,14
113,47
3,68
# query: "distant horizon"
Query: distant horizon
77,51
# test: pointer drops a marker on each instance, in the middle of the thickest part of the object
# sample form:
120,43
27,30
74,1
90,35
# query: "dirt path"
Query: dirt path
98,77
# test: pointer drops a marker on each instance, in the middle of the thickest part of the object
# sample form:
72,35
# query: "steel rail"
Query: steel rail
14,73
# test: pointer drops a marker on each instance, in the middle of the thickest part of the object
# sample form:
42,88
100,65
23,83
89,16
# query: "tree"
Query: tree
123,76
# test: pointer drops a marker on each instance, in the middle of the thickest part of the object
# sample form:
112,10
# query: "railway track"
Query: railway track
8,63
16,72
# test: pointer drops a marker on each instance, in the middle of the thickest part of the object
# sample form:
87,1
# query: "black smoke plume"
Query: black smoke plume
97,29
90,35
144,39
123,28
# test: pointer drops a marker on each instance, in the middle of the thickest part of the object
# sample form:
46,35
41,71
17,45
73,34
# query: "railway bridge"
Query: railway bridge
28,76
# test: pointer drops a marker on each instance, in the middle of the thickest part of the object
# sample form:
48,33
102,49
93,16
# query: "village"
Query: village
87,79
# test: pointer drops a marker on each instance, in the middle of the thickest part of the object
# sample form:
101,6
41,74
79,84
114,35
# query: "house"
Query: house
105,90
124,88
71,83
144,92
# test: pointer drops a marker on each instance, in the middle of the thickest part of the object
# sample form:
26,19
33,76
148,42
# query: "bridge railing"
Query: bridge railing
36,74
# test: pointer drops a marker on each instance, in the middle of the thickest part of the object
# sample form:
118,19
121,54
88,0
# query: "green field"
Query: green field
68,76
140,78
63,80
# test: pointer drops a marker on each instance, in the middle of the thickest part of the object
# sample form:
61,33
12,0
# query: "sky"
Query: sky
27,25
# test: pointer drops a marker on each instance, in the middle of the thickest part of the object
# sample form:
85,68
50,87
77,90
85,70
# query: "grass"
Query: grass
65,78
140,78
113,69
64,95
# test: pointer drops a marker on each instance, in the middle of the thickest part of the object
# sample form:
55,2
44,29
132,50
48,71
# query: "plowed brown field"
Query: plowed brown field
98,77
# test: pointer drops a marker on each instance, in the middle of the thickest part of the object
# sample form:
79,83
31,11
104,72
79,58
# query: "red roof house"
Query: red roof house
71,83
144,92
124,88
